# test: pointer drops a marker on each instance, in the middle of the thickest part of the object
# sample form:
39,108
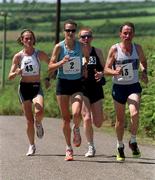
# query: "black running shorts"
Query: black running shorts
28,91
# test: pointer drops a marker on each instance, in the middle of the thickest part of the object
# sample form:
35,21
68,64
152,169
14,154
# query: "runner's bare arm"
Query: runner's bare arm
110,60
15,70
54,64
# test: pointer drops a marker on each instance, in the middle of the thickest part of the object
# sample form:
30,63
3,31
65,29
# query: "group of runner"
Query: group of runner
81,68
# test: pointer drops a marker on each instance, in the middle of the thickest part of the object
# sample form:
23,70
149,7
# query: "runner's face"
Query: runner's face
85,37
69,31
127,34
27,39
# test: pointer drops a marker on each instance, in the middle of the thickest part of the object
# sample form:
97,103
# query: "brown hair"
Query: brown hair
130,24
22,34
70,21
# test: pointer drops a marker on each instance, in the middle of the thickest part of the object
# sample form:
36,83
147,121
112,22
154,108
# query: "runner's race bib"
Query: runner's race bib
29,67
73,66
127,72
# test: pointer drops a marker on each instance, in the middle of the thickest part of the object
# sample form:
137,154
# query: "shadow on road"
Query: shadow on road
86,160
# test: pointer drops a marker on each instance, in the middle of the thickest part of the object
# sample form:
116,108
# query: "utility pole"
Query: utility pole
58,10
4,48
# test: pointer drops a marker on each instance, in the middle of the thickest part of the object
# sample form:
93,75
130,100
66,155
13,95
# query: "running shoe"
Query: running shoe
135,150
120,154
91,151
77,136
39,130
69,155
31,150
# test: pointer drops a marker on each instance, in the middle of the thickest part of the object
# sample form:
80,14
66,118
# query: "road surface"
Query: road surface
49,164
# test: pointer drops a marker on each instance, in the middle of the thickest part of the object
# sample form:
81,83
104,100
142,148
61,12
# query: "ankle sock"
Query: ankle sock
120,144
133,138
68,147
91,144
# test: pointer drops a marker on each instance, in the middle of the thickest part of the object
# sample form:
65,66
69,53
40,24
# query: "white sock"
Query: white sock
120,144
68,147
133,138
91,144
31,145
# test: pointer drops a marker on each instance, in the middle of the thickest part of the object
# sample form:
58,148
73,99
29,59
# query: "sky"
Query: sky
53,1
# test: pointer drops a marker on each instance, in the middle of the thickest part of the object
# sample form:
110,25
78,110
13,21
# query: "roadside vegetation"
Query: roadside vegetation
104,19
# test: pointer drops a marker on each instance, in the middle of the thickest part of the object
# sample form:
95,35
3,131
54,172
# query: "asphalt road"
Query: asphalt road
49,164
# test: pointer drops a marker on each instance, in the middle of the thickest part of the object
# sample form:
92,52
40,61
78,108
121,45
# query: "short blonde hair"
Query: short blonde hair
85,29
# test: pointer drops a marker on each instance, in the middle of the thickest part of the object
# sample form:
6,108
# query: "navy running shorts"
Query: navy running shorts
120,93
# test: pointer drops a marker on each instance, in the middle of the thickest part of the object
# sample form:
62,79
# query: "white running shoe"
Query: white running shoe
39,130
31,150
91,151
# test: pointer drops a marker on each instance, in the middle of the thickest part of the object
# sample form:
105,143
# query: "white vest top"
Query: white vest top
30,65
129,64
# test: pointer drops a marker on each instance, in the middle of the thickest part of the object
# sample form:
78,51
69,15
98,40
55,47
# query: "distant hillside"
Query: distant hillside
103,17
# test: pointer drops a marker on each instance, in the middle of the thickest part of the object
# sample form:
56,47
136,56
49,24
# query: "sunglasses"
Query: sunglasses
70,30
85,36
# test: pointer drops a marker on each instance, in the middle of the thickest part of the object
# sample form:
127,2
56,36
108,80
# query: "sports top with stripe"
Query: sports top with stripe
129,64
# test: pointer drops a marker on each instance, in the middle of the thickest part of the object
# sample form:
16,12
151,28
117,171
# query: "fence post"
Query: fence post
3,49
58,21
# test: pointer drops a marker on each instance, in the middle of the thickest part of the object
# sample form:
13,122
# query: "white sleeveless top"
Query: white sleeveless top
30,65
129,64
